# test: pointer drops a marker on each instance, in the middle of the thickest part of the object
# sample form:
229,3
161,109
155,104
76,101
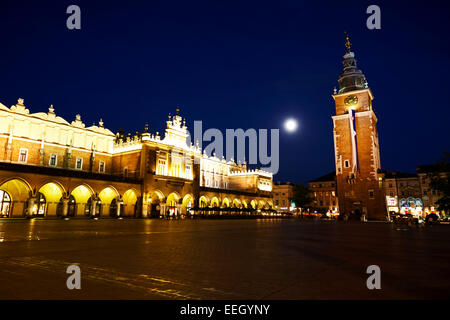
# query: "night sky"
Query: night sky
236,64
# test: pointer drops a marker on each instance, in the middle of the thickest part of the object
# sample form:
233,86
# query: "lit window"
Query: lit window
5,204
23,155
79,164
161,169
188,171
175,169
101,166
53,159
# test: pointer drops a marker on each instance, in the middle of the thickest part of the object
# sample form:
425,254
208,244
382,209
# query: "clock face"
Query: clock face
351,100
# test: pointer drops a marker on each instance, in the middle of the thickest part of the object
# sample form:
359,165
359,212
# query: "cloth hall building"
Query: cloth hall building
50,167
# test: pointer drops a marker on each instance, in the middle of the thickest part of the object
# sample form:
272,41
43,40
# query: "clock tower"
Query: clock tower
357,153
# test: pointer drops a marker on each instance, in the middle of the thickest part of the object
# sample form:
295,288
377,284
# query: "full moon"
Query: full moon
290,125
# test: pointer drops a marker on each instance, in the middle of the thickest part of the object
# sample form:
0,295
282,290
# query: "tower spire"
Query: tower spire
348,44
351,78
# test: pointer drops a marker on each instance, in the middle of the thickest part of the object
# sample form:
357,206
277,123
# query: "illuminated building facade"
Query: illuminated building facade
50,167
429,195
357,154
324,194
403,193
408,193
282,193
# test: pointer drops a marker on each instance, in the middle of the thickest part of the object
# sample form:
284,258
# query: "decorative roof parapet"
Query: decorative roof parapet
77,122
252,172
19,107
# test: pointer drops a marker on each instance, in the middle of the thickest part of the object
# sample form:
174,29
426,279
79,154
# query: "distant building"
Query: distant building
403,193
408,193
429,196
282,192
324,193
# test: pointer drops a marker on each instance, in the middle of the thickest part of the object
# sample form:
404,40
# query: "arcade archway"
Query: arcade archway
225,203
187,204
215,203
172,201
154,202
106,197
18,192
48,199
129,199
236,203
203,202
82,194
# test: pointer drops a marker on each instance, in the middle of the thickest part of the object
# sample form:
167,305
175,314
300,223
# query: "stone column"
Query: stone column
41,156
93,207
65,209
147,210
118,207
31,202
179,207
162,211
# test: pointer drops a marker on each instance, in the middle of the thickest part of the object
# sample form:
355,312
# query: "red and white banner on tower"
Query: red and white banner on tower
351,118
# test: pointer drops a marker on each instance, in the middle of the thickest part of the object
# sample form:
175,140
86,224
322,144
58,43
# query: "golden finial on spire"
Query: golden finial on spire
348,44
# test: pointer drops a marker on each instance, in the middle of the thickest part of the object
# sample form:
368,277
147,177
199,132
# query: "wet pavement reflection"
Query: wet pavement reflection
221,259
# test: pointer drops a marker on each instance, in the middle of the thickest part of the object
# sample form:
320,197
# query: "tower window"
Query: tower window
346,163
101,166
371,195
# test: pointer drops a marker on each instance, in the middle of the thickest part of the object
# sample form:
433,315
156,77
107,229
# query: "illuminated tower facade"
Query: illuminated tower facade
357,152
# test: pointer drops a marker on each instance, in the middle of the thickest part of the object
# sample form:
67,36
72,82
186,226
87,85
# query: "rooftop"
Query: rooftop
328,177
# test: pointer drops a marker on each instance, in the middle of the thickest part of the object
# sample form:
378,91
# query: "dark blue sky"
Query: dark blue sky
236,64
